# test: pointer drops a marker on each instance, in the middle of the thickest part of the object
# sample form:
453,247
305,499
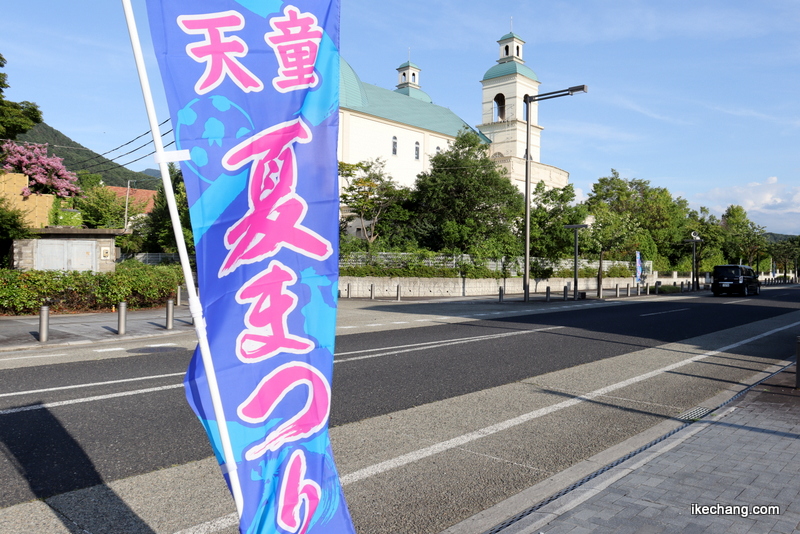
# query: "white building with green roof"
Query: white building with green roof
404,127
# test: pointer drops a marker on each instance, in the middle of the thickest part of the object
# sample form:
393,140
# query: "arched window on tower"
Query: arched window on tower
517,50
499,107
394,146
413,77
404,77
416,150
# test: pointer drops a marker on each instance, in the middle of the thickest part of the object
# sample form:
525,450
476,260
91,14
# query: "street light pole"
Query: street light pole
694,241
528,100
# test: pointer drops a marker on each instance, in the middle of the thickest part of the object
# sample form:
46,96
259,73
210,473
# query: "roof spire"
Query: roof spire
512,24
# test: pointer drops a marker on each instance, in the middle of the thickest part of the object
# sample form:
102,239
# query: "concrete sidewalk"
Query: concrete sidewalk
735,470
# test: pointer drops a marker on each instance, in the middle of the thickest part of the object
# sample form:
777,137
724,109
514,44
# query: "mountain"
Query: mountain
775,238
77,158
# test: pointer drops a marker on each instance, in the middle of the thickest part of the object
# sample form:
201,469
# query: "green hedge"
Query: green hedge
140,285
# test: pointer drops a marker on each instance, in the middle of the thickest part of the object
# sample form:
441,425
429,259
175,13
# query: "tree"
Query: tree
368,194
160,236
15,117
742,238
612,231
102,208
551,209
12,226
784,253
465,203
654,209
710,252
46,174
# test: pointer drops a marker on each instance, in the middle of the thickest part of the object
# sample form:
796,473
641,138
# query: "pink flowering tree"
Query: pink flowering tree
46,174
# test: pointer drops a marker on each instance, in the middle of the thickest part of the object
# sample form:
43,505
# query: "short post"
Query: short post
178,296
349,294
398,292
638,289
600,292
616,291
372,291
681,286
500,295
566,292
797,365
647,288
122,317
547,294
44,324
170,314
627,290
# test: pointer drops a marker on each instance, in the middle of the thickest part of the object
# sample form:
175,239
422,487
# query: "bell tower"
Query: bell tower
504,115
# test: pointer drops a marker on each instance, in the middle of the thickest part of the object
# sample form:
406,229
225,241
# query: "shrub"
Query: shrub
140,285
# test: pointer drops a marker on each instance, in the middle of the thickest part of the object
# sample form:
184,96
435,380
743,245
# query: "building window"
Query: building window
517,50
404,78
394,146
416,150
506,50
438,149
499,108
413,77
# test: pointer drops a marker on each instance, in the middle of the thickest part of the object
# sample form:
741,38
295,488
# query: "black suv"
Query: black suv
735,279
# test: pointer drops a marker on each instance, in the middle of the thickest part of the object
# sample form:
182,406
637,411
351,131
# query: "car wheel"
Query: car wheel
745,291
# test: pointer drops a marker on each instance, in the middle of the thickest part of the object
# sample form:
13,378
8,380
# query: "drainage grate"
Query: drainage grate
694,414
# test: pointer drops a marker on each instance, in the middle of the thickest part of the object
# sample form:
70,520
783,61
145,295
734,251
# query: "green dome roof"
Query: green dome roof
408,64
509,68
351,90
413,92
511,35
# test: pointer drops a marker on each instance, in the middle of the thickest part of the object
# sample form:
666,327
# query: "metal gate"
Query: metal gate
65,255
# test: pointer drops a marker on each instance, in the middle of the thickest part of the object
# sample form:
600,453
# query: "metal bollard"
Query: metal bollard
638,290
627,290
178,296
600,292
647,288
500,294
547,294
122,317
372,291
349,294
44,324
681,286
170,314
616,291
566,292
797,365
398,292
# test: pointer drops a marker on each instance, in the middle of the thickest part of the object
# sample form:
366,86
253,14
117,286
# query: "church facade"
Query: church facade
405,128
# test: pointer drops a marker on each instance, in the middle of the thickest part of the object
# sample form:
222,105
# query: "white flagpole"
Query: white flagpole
163,158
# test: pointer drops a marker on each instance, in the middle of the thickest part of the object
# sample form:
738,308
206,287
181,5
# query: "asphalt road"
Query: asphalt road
429,425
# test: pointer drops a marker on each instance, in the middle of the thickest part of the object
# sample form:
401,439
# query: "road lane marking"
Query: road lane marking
93,384
162,345
388,351
662,313
30,357
109,350
48,405
459,441
736,301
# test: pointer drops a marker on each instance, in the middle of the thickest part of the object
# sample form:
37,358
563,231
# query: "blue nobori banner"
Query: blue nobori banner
253,90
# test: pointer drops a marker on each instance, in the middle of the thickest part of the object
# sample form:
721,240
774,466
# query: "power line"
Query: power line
118,157
124,144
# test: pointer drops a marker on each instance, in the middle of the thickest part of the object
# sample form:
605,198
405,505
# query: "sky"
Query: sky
697,96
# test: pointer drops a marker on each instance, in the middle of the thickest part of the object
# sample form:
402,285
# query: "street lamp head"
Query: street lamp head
578,89
695,235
